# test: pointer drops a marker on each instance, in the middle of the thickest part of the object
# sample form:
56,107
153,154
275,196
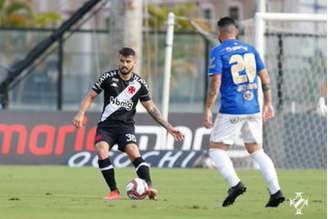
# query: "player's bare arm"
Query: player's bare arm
157,116
212,94
268,111
86,103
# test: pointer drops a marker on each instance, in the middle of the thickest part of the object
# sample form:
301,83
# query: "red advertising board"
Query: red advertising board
50,138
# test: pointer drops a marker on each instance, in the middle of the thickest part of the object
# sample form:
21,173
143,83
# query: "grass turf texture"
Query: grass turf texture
47,192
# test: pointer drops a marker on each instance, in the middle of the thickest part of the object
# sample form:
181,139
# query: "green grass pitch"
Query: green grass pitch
47,192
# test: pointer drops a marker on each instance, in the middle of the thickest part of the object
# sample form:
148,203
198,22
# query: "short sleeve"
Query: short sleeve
259,63
215,65
98,86
144,94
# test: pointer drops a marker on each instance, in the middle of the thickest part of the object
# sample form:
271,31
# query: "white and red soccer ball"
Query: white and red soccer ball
137,189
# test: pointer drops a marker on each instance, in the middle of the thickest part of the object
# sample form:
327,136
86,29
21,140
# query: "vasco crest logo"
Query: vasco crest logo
131,89
299,203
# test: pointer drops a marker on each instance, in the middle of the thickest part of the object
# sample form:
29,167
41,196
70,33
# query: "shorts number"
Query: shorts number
240,63
131,137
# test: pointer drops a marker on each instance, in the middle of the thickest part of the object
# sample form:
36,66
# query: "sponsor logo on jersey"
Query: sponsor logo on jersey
113,84
104,77
127,104
234,48
245,87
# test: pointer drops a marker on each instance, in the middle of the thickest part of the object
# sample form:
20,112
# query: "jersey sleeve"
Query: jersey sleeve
144,92
98,86
259,63
215,65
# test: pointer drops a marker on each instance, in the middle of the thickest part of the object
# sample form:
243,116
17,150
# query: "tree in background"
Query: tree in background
19,14
188,49
46,19
158,16
14,14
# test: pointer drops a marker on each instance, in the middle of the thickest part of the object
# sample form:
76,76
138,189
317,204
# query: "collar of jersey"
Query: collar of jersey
131,79
230,41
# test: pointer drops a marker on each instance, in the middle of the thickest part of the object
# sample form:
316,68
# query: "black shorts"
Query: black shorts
118,135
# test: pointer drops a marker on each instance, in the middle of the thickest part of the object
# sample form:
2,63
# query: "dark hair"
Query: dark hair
126,51
226,21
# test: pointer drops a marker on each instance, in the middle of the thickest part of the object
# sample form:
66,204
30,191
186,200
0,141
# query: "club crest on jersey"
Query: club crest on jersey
127,104
248,95
131,89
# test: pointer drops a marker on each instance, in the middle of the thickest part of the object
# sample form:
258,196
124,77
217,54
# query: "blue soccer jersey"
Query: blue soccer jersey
239,65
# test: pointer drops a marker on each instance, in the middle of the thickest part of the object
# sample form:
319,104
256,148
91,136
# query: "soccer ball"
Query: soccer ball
136,189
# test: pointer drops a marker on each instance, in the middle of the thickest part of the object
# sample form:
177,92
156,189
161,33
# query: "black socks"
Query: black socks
107,171
142,169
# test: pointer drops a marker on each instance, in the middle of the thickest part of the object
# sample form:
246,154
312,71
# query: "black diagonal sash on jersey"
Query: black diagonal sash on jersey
123,96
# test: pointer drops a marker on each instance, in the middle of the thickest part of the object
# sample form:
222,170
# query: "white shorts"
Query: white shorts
228,128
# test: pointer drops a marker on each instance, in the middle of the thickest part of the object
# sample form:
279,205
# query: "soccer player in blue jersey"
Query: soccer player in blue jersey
234,67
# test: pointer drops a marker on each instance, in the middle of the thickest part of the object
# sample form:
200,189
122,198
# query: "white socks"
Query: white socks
224,165
267,169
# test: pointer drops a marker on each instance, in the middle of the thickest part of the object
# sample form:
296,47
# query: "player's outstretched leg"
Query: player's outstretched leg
225,167
108,173
270,175
142,169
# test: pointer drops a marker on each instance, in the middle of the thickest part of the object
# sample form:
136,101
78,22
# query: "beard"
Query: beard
124,70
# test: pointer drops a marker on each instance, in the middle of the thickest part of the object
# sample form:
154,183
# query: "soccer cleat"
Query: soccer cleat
275,200
113,195
233,193
152,193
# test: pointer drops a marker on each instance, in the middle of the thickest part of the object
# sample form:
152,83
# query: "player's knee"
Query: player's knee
132,151
252,148
221,146
102,150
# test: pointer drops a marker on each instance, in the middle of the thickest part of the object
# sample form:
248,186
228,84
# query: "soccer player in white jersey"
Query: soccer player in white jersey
234,67
122,90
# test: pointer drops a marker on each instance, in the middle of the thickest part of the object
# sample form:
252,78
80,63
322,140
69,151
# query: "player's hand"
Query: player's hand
207,120
78,120
268,112
178,136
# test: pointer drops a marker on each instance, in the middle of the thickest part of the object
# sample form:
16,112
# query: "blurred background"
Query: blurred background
46,89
